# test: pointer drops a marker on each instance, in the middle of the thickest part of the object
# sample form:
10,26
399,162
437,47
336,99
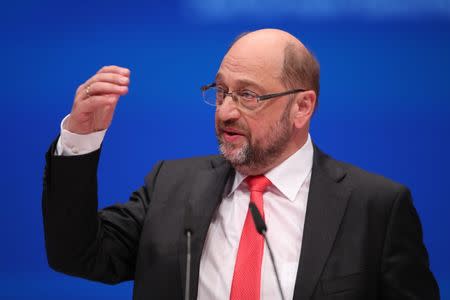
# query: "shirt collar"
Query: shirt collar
289,176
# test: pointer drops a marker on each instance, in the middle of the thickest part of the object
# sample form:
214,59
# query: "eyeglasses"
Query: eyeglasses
215,96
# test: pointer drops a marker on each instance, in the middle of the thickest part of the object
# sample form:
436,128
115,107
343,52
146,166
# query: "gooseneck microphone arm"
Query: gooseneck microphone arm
188,264
188,233
261,227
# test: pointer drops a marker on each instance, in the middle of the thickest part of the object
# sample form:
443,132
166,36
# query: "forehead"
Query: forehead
253,64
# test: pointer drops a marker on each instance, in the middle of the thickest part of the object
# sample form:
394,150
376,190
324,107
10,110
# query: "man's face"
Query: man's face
244,147
252,140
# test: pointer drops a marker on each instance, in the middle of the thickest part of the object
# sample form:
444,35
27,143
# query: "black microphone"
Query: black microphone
262,229
188,232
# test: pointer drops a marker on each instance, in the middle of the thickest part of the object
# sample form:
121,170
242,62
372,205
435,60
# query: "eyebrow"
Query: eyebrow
219,77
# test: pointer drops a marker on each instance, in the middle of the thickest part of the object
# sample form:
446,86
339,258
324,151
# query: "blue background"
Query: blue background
384,103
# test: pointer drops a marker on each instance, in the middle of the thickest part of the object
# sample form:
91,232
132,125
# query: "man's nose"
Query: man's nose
228,110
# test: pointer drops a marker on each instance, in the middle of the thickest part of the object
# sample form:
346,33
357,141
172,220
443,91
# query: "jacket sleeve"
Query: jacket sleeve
80,240
405,266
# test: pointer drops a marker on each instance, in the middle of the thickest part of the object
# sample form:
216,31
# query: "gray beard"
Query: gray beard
255,156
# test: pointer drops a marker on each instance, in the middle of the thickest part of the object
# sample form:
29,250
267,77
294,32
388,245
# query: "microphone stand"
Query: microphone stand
188,265
261,227
188,231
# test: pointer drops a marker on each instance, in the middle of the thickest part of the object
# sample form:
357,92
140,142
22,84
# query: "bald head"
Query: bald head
280,53
268,35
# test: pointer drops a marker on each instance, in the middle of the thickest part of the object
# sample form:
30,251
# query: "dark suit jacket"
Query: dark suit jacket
362,236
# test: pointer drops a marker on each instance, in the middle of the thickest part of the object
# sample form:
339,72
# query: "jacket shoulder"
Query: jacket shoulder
358,179
185,167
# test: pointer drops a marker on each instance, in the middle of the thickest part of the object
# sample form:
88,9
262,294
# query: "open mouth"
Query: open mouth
231,135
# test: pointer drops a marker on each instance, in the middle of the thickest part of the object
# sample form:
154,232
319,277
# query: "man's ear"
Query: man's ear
303,108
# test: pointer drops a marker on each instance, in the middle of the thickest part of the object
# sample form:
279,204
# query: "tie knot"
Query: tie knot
257,183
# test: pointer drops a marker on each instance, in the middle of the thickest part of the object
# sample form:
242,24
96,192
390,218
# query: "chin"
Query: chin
235,155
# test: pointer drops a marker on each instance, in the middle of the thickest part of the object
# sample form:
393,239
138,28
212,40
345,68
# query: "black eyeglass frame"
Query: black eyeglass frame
258,98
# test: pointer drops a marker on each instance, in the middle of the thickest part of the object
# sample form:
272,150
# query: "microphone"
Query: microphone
188,232
257,219
261,227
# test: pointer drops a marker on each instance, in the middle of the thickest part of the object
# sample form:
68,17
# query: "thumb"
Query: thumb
105,114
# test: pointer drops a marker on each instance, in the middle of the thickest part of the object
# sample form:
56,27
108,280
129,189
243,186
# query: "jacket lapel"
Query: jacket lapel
327,202
203,200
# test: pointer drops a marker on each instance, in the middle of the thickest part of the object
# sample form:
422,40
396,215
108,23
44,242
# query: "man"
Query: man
337,232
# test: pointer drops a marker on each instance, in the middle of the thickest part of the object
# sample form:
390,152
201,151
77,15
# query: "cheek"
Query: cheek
216,119
263,132
257,133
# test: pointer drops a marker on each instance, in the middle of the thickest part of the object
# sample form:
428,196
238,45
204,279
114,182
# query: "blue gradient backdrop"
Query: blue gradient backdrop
384,104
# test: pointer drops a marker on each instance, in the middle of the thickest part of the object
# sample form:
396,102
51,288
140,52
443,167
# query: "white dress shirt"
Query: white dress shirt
284,209
78,144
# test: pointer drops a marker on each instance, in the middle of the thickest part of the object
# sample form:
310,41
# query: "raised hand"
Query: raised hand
96,99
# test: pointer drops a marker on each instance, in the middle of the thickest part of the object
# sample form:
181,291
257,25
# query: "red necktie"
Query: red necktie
246,283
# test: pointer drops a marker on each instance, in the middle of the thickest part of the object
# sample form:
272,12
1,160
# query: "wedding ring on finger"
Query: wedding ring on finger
87,90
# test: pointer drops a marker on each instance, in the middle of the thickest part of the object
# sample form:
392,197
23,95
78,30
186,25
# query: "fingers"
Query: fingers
116,79
109,77
104,88
96,102
116,70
